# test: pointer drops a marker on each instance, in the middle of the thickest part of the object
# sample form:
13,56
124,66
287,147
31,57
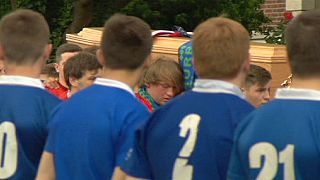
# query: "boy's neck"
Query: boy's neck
306,83
238,80
72,91
27,71
126,76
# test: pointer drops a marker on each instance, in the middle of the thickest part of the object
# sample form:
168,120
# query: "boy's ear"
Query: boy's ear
73,81
100,57
148,62
195,64
46,54
48,50
1,53
56,66
247,64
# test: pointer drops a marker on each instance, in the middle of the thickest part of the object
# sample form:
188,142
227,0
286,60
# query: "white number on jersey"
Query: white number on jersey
188,126
271,160
8,150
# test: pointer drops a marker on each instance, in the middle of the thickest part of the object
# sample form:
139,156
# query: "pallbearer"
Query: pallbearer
191,136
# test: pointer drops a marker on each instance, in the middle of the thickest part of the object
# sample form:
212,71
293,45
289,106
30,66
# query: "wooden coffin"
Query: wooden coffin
271,57
162,45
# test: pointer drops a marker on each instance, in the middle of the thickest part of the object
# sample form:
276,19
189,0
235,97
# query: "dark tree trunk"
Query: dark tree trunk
83,12
14,4
121,3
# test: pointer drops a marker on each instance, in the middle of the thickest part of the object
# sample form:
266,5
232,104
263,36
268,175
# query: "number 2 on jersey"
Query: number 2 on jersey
271,160
8,150
190,124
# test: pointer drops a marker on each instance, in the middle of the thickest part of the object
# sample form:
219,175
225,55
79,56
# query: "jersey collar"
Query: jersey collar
21,81
217,86
113,83
297,93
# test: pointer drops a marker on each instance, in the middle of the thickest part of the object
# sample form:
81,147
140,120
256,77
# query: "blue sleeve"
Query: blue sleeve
315,130
52,132
236,169
133,120
47,105
137,164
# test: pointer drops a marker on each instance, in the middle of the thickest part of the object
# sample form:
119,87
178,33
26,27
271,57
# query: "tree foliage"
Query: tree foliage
247,12
160,14
163,14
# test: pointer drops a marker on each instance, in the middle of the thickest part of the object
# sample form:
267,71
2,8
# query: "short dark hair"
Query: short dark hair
257,75
24,34
77,65
126,42
92,49
303,43
66,47
50,70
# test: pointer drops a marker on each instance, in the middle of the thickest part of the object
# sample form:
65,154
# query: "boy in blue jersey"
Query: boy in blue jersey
90,134
25,104
191,136
281,139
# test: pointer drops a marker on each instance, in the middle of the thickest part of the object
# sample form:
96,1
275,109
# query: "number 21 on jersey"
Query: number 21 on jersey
8,150
272,159
188,126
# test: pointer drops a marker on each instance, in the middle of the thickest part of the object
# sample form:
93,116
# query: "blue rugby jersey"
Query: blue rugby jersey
90,134
190,137
280,140
24,112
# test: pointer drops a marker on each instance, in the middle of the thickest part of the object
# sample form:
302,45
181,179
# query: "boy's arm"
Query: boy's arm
46,169
121,175
133,178
118,174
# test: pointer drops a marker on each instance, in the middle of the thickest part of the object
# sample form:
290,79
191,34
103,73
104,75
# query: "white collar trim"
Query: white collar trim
113,83
297,93
21,81
217,86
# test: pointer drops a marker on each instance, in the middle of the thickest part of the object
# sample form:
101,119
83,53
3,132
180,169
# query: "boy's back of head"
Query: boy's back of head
303,44
92,49
24,34
66,48
221,46
126,42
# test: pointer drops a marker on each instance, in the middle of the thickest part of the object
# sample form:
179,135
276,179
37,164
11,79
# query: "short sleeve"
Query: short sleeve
52,131
236,170
133,120
137,164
